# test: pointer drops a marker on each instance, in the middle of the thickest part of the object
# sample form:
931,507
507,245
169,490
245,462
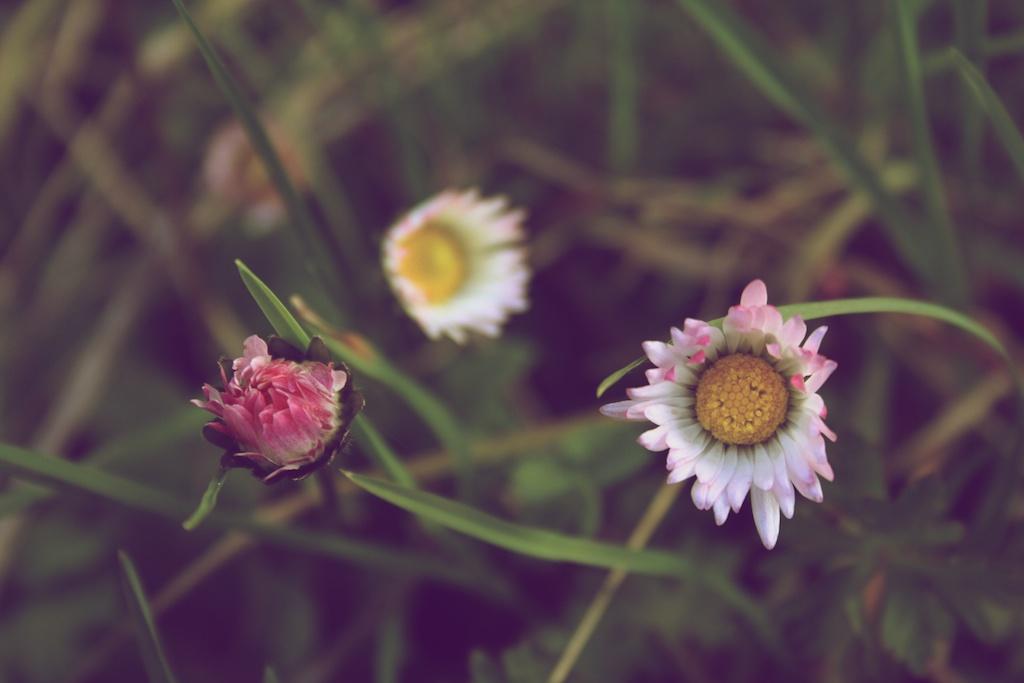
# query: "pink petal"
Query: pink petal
754,294
814,341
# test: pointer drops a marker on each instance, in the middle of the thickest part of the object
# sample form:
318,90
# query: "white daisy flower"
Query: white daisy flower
738,408
457,264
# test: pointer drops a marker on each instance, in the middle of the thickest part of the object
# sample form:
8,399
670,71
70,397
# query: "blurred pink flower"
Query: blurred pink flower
235,173
280,414
737,407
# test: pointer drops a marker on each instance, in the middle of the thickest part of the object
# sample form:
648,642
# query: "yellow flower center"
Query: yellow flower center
741,400
434,260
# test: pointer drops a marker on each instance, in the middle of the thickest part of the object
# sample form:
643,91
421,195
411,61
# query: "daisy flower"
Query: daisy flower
457,265
738,409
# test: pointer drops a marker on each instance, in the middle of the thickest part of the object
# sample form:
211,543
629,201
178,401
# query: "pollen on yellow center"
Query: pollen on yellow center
741,400
434,261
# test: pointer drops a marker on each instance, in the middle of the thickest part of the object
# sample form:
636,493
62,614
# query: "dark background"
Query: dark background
658,179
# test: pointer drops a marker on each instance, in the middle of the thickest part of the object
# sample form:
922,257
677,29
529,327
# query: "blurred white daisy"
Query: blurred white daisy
738,408
457,264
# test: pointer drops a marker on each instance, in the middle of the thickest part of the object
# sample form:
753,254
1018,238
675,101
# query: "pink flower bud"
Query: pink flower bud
280,414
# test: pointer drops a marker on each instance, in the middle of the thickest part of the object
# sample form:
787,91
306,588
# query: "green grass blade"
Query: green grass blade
318,261
390,650
157,668
431,409
757,61
381,451
613,379
269,676
529,541
970,18
548,545
208,501
622,84
885,304
992,105
154,437
998,46
283,322
72,476
823,309
944,243
23,33
749,52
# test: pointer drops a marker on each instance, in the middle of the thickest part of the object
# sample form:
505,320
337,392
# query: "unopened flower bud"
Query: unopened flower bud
280,413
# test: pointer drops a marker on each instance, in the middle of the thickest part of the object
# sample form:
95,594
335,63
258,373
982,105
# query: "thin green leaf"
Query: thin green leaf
150,439
390,650
157,668
269,676
989,101
23,33
430,408
1007,44
883,304
757,61
970,18
318,262
548,545
622,84
944,243
996,46
383,454
131,494
613,379
208,501
823,309
283,322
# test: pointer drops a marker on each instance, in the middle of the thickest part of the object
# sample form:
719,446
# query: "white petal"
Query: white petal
810,491
721,508
618,410
793,331
739,485
699,493
724,475
819,377
681,447
659,353
782,486
766,516
796,456
661,413
710,463
662,389
686,452
764,470
654,439
687,435
681,472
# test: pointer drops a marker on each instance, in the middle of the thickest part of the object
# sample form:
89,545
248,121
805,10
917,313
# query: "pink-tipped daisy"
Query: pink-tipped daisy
738,409
457,264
